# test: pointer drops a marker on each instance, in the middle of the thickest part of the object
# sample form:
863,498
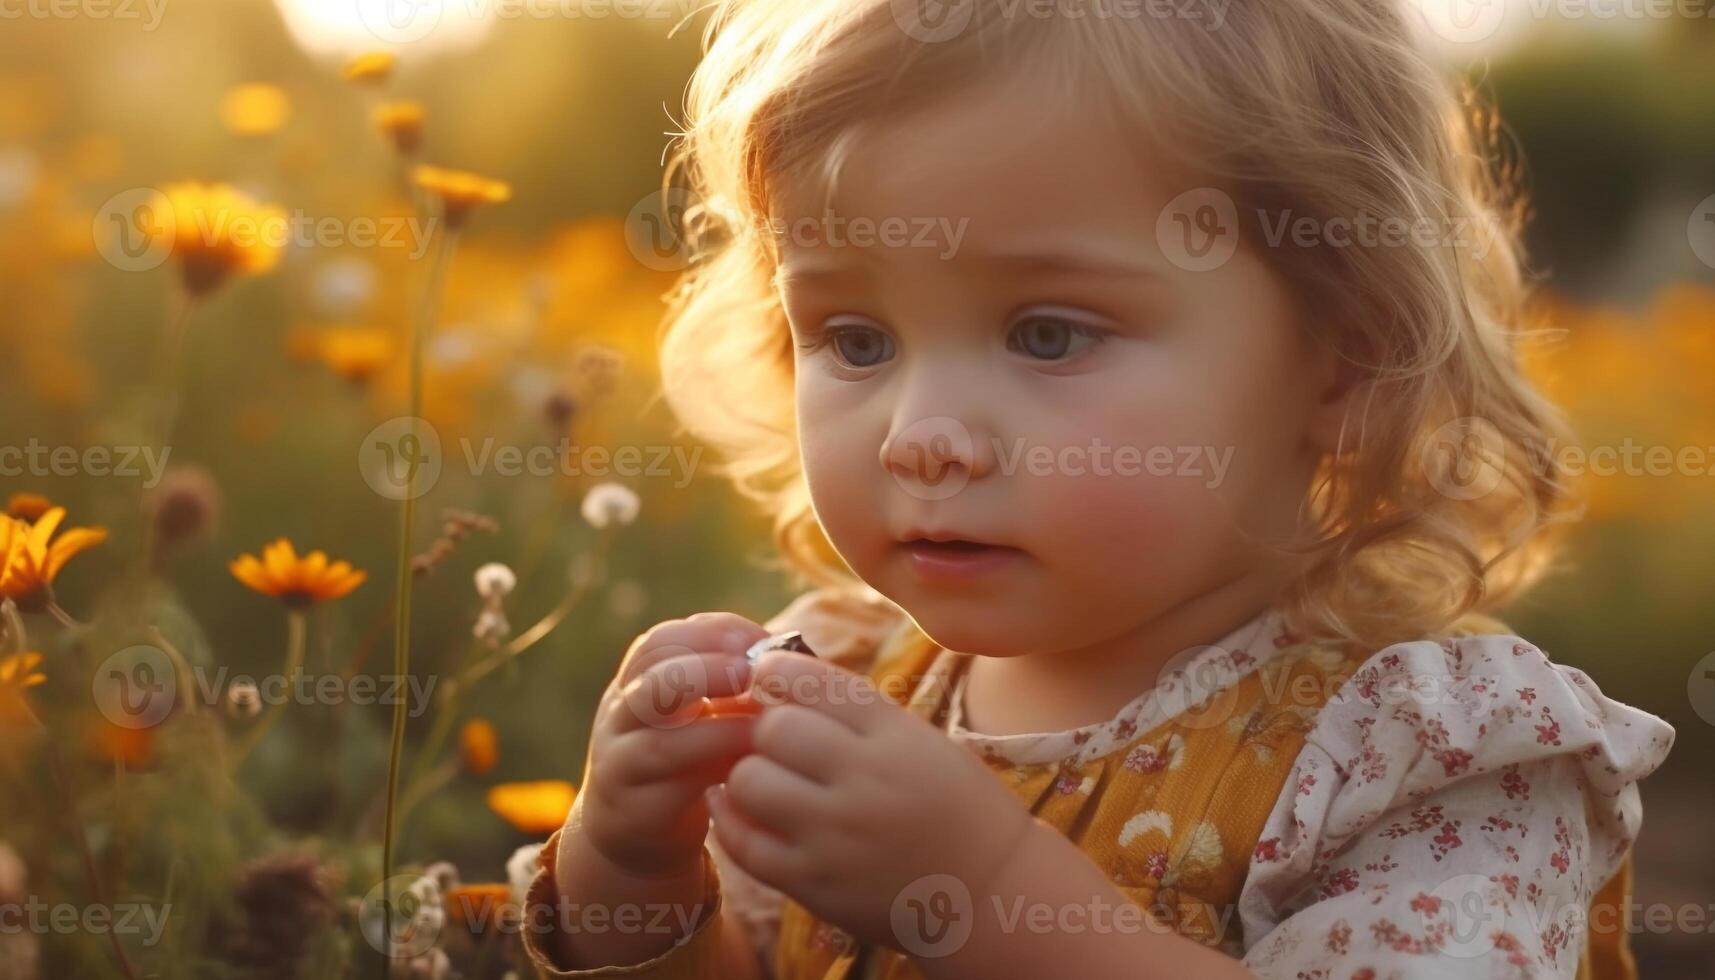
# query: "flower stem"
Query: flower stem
404,579
295,633
167,396
187,686
68,805
12,626
547,624
64,618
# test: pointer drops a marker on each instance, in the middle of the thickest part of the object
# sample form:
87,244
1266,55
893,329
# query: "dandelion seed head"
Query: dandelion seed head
494,580
610,503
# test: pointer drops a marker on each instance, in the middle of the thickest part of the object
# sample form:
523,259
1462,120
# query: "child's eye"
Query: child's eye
1051,338
856,344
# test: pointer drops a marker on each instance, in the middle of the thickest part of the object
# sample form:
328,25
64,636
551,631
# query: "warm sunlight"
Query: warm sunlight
345,27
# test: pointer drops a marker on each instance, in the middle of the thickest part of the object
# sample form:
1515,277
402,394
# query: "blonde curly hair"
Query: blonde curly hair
1318,108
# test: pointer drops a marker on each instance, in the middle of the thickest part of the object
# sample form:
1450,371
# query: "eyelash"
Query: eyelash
827,335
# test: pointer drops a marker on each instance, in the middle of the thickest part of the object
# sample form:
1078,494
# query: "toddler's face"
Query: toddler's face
992,346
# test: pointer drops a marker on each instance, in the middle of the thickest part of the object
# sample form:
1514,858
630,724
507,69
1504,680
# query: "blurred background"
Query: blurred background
288,369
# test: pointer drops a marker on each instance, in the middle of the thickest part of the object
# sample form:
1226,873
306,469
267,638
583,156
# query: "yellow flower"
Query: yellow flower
355,353
31,557
255,110
459,190
479,747
297,581
28,506
372,68
401,122
217,231
538,807
18,673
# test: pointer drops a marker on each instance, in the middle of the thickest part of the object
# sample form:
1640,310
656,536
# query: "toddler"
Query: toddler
1136,389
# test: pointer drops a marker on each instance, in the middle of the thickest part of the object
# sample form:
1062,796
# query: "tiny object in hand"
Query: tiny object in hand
744,704
793,641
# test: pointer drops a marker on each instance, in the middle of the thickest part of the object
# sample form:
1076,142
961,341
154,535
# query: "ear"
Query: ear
1338,386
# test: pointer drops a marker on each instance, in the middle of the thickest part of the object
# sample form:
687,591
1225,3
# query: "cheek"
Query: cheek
840,454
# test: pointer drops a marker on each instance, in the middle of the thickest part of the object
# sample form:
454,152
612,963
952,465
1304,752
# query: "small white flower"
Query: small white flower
419,917
491,625
243,699
340,287
444,874
521,868
494,580
607,503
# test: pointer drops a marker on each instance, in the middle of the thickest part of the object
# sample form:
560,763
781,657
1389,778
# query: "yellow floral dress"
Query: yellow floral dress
1296,805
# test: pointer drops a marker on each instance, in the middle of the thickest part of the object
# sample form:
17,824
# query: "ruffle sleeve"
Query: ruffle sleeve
1451,813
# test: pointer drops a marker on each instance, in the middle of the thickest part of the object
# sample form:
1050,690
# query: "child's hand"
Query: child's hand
652,755
848,800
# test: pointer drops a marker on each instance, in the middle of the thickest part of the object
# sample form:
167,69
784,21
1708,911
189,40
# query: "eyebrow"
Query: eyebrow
1074,260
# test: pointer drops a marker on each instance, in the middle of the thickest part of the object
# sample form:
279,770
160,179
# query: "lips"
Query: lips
944,557
956,546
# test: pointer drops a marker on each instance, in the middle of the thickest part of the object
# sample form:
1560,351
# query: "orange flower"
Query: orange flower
356,354
28,506
459,191
372,68
299,582
538,807
401,122
216,232
479,746
479,907
18,674
135,747
31,557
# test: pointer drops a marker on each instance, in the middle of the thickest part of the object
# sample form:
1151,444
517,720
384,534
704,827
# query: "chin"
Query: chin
972,624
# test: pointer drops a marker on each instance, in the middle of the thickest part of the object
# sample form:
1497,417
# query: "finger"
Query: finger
801,739
703,632
762,855
671,693
776,797
848,698
653,755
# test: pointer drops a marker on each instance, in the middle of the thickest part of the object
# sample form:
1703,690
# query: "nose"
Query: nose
940,439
